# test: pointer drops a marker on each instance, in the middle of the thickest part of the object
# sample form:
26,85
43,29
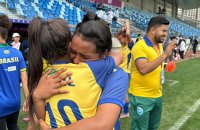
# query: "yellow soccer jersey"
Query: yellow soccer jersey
148,85
85,93
45,64
125,51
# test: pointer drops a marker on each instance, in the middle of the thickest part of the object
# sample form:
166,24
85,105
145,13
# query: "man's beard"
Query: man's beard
159,39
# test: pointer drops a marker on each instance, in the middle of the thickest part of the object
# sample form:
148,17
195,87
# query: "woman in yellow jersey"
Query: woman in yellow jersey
95,45
127,43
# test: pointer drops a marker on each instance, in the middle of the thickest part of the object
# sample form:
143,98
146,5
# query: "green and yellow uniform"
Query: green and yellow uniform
145,91
126,52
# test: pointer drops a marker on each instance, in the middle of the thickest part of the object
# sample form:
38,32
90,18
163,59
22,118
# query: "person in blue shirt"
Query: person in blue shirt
12,68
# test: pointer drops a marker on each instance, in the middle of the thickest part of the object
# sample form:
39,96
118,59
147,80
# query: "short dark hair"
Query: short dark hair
5,25
157,21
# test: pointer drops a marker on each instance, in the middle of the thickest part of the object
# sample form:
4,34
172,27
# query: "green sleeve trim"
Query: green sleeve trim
140,58
24,69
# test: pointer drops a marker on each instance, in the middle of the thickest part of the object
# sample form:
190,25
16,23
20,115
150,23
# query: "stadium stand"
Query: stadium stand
74,11
45,9
141,19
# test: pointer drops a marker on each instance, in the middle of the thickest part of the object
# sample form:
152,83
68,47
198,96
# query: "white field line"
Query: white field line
177,125
172,82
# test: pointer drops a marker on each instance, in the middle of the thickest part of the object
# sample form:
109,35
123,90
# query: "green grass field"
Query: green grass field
180,92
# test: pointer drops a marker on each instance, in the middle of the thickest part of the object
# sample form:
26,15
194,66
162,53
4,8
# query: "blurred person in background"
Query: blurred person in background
16,44
110,16
194,46
116,14
182,47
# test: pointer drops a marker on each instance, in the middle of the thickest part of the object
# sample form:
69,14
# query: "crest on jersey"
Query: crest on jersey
6,52
139,111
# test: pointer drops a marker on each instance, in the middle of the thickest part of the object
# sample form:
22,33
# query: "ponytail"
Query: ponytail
49,40
35,66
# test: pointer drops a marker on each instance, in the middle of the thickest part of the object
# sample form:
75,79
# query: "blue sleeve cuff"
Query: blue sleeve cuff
111,100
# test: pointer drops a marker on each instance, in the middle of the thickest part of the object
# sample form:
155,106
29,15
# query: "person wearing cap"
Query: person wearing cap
16,44
145,90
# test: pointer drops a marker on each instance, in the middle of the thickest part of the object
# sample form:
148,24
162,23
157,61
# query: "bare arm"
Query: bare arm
104,119
26,92
39,107
118,57
124,37
145,67
24,83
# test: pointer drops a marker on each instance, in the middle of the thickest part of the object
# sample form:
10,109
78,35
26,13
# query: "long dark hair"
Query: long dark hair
92,29
48,40
5,25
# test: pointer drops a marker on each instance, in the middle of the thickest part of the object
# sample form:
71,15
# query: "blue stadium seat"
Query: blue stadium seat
11,5
2,1
141,19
